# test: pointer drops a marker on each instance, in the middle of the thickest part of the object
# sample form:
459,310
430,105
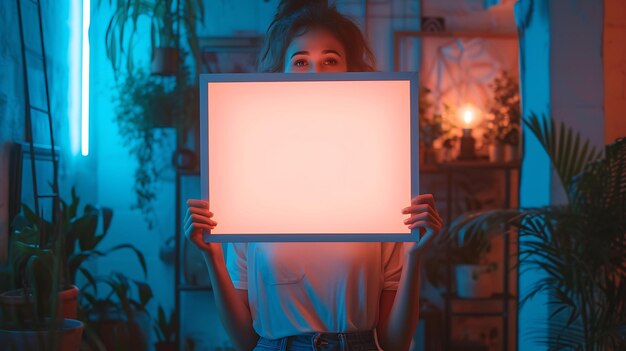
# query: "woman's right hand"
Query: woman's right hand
197,219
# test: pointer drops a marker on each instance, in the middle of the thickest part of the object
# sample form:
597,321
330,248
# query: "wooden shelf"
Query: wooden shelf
469,165
186,287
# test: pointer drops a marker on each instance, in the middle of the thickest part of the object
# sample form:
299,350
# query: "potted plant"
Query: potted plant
147,103
117,316
78,239
25,246
38,315
579,247
169,20
84,234
166,329
473,274
149,115
503,119
464,260
77,242
432,126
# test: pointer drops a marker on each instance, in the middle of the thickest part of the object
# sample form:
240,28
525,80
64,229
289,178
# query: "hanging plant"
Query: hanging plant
170,20
146,104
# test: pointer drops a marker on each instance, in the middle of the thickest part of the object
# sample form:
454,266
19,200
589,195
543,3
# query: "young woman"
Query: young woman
317,296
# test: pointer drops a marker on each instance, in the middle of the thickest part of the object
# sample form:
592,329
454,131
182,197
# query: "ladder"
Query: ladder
33,60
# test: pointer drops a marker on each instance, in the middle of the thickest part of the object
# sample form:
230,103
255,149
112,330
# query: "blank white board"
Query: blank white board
309,157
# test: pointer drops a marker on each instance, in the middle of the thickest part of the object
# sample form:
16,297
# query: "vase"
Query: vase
117,332
511,153
164,61
496,152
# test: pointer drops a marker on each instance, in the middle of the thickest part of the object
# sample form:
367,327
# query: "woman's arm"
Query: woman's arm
232,304
399,311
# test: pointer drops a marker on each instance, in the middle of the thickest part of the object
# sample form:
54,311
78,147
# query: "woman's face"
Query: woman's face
315,51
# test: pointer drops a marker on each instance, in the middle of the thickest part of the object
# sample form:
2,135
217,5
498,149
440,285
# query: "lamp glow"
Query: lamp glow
468,116
84,145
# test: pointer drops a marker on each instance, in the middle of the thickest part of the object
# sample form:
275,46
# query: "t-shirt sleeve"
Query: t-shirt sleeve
237,264
392,254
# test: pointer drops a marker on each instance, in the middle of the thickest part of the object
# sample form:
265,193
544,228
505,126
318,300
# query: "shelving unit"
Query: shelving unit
180,286
197,317
507,297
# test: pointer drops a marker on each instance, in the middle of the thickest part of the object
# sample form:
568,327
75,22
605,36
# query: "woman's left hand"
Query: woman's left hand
424,216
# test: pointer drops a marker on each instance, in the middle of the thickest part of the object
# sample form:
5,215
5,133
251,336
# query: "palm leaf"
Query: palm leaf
567,154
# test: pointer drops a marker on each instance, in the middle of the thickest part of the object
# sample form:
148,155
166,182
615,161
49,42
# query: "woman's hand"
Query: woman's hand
198,218
424,215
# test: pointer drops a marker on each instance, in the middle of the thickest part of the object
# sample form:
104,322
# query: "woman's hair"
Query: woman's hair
296,17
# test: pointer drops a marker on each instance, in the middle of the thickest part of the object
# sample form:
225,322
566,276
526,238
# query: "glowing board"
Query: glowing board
309,157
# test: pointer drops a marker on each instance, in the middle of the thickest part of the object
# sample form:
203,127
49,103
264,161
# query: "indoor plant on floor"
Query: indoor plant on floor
36,316
166,329
464,261
77,241
578,247
114,308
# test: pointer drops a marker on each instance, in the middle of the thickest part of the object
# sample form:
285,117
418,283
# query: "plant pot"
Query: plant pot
511,153
15,306
123,335
69,302
69,337
164,61
446,154
165,346
429,156
184,160
496,152
473,280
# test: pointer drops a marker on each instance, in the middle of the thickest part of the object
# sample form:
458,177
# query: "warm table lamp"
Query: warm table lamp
469,118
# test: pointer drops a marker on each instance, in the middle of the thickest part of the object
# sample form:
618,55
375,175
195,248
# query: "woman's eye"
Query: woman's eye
300,63
330,62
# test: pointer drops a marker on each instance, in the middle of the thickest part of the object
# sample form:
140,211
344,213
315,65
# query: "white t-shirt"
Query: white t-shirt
295,288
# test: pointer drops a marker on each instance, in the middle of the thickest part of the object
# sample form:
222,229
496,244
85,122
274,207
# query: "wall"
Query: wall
63,67
561,69
115,172
614,69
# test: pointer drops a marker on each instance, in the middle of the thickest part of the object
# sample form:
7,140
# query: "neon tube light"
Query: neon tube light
84,146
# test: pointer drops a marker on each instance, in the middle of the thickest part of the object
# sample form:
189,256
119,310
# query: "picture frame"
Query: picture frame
22,183
229,54
456,67
248,135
